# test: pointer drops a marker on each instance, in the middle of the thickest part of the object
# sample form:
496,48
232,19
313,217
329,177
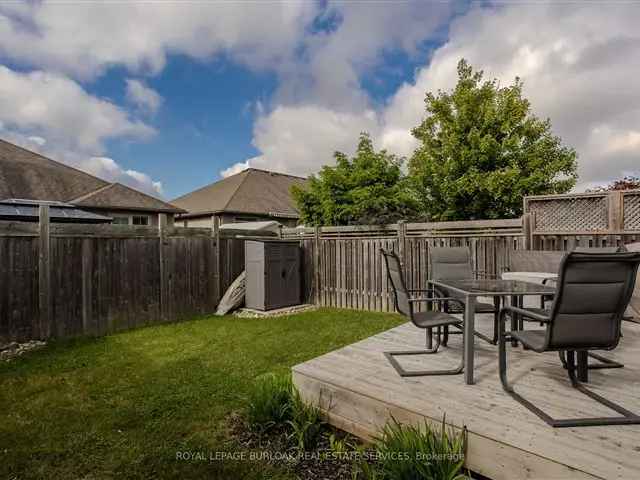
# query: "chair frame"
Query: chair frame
390,355
627,417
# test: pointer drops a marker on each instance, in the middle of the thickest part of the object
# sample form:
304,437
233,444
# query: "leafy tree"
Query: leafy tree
366,189
626,183
481,149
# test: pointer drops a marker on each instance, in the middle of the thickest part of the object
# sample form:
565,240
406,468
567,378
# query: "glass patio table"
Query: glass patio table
470,290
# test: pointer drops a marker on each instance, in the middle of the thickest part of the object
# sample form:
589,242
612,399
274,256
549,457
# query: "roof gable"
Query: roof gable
118,196
213,197
266,192
26,174
29,175
250,191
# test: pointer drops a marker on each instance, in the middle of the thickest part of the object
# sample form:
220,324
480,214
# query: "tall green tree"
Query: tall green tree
368,188
481,149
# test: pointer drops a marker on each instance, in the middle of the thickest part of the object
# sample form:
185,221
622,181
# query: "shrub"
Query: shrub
407,452
270,402
306,422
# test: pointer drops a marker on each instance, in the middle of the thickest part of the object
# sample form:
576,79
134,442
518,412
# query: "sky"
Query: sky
169,96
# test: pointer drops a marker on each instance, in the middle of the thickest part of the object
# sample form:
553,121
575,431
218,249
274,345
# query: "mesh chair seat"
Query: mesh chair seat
534,339
434,319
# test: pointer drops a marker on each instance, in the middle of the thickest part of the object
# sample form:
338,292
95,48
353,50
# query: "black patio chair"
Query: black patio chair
603,362
592,293
427,320
454,263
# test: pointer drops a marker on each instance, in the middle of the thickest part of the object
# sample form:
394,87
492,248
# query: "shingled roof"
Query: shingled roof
251,191
29,175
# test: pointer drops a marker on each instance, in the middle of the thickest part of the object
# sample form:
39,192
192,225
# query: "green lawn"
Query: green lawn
124,405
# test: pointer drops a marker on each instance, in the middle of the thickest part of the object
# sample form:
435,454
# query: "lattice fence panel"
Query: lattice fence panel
570,214
631,211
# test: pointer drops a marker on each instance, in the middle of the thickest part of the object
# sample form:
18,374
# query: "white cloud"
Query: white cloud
102,167
37,140
235,168
59,109
298,140
578,63
55,116
144,97
107,168
320,106
85,38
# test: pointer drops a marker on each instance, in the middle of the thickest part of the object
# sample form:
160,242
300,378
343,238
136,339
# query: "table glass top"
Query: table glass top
488,287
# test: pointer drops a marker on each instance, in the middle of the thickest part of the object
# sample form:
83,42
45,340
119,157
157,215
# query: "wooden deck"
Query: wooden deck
359,390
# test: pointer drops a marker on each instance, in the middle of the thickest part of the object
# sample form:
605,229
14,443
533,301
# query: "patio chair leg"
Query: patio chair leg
496,321
604,361
514,320
422,373
627,418
445,336
429,340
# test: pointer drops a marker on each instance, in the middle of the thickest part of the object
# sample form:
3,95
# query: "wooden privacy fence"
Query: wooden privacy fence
64,280
563,222
344,267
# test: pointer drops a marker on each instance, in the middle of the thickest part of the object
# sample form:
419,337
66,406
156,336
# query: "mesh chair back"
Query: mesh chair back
535,261
593,292
394,272
451,263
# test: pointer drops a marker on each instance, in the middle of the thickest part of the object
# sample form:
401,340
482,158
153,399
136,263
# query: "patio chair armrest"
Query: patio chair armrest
437,299
547,279
525,313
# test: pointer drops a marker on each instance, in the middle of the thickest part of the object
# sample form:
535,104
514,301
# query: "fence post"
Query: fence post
44,272
316,264
527,232
616,221
162,225
402,232
217,278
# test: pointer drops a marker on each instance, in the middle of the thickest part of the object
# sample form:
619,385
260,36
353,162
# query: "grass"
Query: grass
124,405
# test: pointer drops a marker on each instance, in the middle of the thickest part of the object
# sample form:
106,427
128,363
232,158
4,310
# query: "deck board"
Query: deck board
360,390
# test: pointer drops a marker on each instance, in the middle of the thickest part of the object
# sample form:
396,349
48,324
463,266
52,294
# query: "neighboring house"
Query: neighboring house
249,196
26,175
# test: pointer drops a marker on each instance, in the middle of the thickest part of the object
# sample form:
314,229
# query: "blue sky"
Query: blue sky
203,126
167,97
